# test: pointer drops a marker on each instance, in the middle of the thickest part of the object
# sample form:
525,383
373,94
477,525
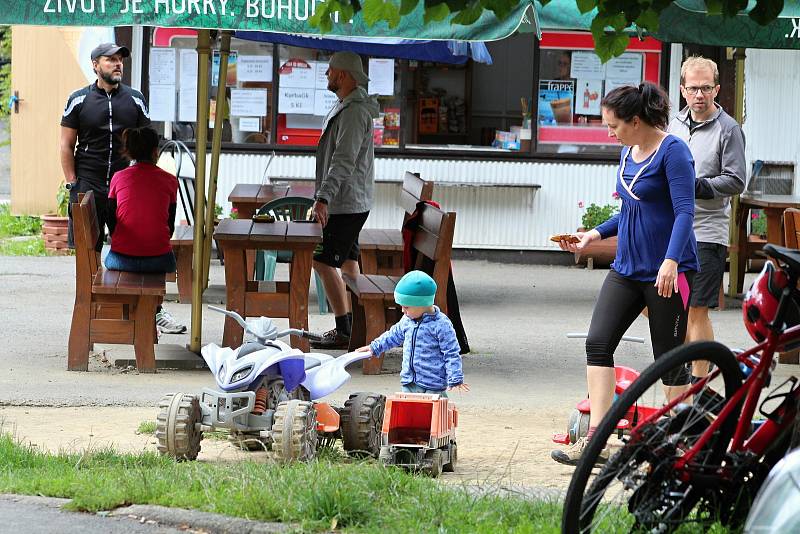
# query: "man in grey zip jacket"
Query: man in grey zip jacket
717,145
345,176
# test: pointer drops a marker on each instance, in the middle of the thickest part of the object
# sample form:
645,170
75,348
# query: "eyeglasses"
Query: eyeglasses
706,89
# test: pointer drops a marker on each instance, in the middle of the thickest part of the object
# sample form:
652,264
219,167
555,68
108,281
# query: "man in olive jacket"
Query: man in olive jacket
717,145
345,176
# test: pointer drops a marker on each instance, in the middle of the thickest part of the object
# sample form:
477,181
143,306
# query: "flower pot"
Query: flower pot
598,253
54,231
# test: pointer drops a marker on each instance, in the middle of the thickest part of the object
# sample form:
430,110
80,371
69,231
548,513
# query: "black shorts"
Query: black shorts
340,239
705,291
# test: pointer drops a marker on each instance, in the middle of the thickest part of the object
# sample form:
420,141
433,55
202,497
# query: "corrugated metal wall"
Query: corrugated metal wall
772,106
490,215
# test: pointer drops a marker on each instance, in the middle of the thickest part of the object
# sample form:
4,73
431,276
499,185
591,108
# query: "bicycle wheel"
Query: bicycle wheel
637,487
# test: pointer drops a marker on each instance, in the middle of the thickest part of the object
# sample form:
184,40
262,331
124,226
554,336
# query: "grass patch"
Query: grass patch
149,427
327,494
356,497
12,225
146,427
23,247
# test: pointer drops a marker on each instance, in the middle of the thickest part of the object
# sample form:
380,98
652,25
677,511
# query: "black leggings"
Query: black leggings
620,301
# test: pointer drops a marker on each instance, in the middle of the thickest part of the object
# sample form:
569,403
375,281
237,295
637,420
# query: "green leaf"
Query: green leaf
611,45
408,6
714,7
648,20
584,6
436,13
469,15
378,10
766,11
500,8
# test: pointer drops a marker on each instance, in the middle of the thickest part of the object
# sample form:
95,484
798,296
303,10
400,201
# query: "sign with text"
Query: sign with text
283,16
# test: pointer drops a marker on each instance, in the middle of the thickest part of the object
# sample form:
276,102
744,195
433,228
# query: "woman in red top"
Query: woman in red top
141,215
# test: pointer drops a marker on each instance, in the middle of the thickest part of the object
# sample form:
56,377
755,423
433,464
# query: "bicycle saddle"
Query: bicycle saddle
789,256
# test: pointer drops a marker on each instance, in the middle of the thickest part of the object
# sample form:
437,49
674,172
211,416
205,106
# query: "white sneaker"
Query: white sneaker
167,324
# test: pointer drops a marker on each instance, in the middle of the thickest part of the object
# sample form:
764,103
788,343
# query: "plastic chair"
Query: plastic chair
286,209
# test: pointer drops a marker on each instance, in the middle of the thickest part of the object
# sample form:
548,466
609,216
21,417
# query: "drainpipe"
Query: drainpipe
203,51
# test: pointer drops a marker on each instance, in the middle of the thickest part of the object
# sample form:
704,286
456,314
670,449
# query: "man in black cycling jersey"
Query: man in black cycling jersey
95,117
91,138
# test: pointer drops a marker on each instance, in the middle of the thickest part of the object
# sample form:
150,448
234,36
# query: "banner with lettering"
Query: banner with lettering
285,16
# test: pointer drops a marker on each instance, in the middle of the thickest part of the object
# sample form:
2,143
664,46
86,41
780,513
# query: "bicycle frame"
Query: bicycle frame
750,391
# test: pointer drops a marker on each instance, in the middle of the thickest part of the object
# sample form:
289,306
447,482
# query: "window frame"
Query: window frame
658,51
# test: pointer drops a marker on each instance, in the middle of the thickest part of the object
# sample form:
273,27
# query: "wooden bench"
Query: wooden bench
182,243
110,306
382,249
372,295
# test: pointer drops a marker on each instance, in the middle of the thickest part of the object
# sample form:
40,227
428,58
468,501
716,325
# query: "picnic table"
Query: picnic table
247,198
250,298
773,206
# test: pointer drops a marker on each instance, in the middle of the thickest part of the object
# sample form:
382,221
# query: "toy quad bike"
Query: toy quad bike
266,397
419,433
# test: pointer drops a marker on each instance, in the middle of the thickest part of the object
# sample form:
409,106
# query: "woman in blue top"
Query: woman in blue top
656,250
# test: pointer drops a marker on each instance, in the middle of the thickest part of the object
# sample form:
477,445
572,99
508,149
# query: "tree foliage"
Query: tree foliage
611,20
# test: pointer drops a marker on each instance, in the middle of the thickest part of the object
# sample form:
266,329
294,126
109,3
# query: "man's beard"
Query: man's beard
332,87
111,78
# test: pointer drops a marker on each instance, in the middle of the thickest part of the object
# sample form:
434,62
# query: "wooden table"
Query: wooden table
248,198
182,245
250,298
773,206
381,251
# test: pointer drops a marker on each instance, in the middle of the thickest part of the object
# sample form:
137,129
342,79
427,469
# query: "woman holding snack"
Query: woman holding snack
656,251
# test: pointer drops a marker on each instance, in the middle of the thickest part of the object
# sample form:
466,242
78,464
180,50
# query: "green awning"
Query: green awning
563,15
283,16
686,21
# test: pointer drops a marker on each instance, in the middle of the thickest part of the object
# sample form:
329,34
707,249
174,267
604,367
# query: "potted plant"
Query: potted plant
54,225
598,253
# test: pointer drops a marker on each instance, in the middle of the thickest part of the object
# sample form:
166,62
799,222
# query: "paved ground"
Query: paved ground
525,374
516,317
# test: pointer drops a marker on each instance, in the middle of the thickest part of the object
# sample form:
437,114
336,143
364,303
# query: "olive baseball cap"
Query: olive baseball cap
109,49
350,62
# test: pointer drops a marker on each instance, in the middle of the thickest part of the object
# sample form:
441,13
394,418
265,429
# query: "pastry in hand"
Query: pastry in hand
569,238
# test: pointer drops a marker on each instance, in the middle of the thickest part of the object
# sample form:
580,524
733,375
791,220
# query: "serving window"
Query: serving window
572,81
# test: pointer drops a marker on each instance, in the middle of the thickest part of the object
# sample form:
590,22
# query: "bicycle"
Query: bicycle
700,457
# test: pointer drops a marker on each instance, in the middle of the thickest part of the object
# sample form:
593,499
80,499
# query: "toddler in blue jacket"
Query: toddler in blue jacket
431,354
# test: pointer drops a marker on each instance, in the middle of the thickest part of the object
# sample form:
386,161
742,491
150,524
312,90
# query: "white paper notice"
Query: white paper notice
187,104
255,68
162,66
249,124
381,77
628,66
613,84
324,100
296,100
586,65
587,97
162,102
248,102
322,78
188,68
298,73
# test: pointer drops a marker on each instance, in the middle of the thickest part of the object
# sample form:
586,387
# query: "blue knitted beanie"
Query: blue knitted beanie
415,289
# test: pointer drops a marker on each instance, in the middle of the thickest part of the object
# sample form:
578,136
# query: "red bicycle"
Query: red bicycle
701,457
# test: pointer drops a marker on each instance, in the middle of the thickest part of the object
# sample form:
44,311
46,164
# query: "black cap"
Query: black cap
109,49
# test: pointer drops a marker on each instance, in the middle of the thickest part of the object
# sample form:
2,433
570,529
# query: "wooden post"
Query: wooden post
734,227
203,51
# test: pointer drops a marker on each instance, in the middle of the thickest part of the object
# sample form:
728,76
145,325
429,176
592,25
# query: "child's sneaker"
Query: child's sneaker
167,324
572,454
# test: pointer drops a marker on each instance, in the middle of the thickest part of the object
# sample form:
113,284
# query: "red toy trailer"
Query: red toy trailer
419,433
